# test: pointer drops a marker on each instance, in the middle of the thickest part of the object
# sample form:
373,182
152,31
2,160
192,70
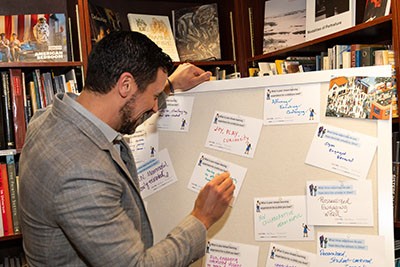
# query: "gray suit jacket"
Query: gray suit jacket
79,205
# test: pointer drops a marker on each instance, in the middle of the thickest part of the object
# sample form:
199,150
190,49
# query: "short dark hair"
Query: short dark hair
124,51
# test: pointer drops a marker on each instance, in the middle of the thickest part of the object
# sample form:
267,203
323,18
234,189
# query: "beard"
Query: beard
128,125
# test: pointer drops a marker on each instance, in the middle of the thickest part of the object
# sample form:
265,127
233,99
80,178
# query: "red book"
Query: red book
5,201
18,110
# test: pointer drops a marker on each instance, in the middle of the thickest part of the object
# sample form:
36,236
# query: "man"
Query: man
80,203
5,47
41,32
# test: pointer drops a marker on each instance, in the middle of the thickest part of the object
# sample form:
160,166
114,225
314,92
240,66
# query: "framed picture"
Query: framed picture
325,17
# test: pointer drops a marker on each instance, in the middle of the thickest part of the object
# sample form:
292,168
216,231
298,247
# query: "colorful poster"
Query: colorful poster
144,142
340,203
234,133
223,254
156,174
281,218
292,104
283,256
176,116
342,151
344,250
208,166
360,97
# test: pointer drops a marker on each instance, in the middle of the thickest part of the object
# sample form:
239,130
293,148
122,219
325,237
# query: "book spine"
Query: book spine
32,92
18,110
3,144
6,97
6,202
38,91
2,204
12,183
27,104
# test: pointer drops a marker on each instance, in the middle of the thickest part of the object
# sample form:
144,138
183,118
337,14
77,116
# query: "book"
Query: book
3,144
5,201
368,54
381,57
346,59
267,69
8,113
36,37
12,184
32,93
47,83
18,109
27,101
102,22
339,50
158,29
197,32
40,97
280,66
375,9
292,66
327,17
284,24
374,94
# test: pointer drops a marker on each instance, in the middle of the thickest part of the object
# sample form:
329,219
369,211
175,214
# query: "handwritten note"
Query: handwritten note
342,151
156,174
292,104
144,142
283,256
234,133
281,218
176,116
345,250
208,166
347,203
229,254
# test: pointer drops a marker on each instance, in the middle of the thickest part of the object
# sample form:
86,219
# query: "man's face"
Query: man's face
141,106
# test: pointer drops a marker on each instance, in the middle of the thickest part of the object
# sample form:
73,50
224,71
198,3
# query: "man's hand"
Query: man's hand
187,76
213,199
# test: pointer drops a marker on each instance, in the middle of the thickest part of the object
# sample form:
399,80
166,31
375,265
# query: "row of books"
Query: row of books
14,261
337,57
194,34
22,93
9,183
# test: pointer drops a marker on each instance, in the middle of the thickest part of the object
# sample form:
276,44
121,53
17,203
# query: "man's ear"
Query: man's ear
126,85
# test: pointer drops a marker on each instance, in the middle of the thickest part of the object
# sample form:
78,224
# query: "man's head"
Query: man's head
135,69
124,51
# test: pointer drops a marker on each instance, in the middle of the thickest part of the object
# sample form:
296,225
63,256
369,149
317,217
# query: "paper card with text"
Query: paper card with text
344,250
144,142
223,254
156,174
340,203
176,116
283,256
341,151
281,218
292,104
208,166
234,133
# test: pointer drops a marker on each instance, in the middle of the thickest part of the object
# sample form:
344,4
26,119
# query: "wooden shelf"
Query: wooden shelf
40,64
10,237
210,63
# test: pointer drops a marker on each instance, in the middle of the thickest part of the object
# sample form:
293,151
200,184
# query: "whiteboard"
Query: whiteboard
278,167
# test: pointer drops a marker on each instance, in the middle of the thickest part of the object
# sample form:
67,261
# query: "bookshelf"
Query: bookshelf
11,245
